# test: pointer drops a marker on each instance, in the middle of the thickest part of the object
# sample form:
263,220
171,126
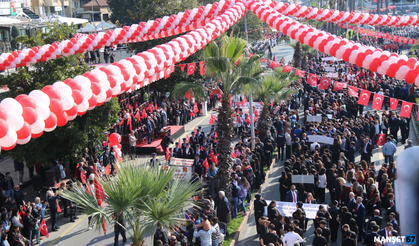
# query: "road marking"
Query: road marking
67,231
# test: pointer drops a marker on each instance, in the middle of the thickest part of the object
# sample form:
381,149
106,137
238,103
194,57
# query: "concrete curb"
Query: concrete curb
244,222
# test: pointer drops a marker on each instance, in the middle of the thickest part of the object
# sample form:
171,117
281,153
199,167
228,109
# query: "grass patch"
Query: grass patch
233,226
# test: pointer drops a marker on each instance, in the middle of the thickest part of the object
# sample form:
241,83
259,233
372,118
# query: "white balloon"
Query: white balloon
62,88
38,126
67,101
82,107
383,68
401,73
40,97
15,120
101,97
116,90
24,141
11,105
43,111
50,129
104,84
83,81
87,92
72,117
9,140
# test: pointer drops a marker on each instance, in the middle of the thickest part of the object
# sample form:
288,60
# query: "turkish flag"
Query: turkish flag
275,64
377,102
167,72
100,193
212,120
374,33
195,109
205,164
58,205
400,39
187,139
43,229
182,67
405,40
137,115
213,158
107,170
410,41
416,41
381,139
324,83
243,101
338,86
406,109
364,97
150,108
353,91
385,35
312,79
286,69
191,68
167,154
144,114
379,35
299,72
393,103
202,68
369,33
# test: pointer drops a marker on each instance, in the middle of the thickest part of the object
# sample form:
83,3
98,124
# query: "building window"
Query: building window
76,4
105,17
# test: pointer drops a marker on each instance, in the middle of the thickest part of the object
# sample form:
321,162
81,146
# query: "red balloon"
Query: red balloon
92,101
123,86
27,101
72,111
78,96
29,115
53,94
4,128
56,106
24,132
8,148
20,96
114,139
95,88
411,63
51,121
109,93
91,77
411,76
392,69
36,135
62,119
81,113
73,84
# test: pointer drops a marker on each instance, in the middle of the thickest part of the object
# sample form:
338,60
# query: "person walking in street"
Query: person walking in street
119,228
53,207
389,149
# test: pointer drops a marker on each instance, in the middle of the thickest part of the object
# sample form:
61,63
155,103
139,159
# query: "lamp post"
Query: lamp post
252,124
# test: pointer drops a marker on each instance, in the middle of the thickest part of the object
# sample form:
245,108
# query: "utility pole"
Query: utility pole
252,124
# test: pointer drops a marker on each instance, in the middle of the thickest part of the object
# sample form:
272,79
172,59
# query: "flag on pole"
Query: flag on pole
43,229
406,109
364,97
205,163
243,101
191,68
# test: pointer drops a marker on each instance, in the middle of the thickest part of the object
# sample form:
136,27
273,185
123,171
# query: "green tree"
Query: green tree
84,131
221,63
142,195
297,55
274,86
15,34
254,25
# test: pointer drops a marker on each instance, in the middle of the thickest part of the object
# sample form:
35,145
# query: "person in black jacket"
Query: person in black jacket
18,195
223,209
52,202
119,228
259,207
165,142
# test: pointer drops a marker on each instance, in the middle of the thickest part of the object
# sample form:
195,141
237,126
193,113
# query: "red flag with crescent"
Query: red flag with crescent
182,67
353,91
191,68
338,86
43,229
324,83
364,97
393,103
205,163
312,79
202,68
377,102
244,100
299,72
286,69
381,139
213,158
406,109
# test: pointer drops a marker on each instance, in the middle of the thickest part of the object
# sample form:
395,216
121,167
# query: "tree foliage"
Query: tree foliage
297,55
84,131
144,196
254,25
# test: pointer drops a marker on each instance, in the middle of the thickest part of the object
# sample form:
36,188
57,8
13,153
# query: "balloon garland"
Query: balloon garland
331,15
28,116
370,58
152,29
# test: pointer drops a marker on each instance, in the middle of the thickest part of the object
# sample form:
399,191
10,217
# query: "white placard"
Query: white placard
183,168
329,69
316,118
287,208
302,179
313,138
332,75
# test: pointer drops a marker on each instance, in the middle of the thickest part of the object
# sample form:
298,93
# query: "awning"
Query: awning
8,21
69,21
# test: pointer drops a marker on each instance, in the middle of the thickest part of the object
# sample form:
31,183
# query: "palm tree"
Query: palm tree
145,197
274,86
222,62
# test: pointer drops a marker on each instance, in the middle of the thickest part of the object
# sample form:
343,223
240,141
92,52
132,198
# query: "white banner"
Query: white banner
329,69
183,168
320,139
287,208
332,75
312,118
331,59
245,108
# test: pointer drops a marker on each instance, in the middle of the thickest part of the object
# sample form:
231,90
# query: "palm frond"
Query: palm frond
183,87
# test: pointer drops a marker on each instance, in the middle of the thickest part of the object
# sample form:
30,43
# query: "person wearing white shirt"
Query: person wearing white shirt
291,237
288,143
394,240
205,236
